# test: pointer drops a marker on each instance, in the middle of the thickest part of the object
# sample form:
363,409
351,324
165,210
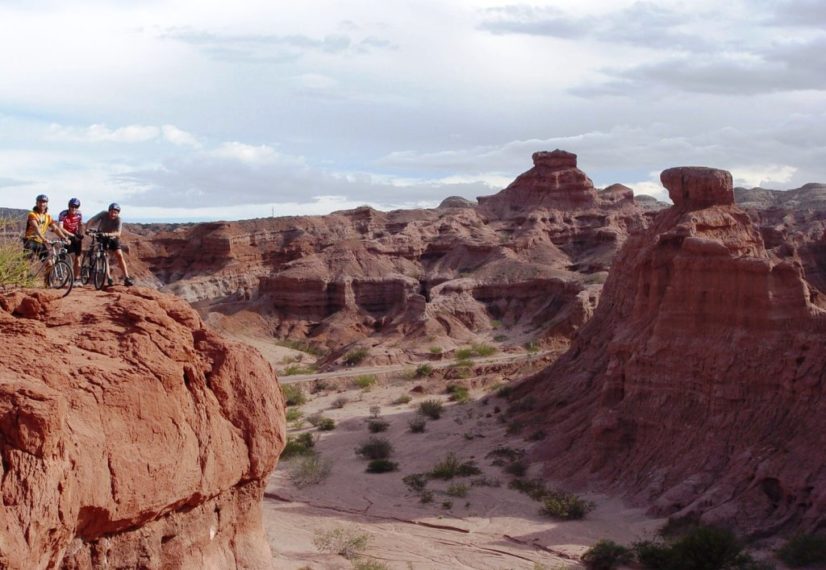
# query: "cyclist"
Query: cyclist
37,223
109,225
71,221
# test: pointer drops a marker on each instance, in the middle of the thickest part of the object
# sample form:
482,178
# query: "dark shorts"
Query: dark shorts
111,243
75,244
35,249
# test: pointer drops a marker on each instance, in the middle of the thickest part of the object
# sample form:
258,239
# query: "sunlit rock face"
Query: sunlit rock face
131,435
697,385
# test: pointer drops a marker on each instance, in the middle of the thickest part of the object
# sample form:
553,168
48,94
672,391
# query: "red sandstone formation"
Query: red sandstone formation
131,436
528,261
698,384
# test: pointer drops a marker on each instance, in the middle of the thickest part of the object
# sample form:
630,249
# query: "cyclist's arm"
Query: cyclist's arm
59,231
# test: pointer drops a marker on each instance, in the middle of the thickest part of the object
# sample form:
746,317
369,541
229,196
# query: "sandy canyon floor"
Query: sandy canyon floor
475,522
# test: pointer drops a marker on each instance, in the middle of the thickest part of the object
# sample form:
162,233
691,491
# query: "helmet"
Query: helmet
74,203
114,206
42,198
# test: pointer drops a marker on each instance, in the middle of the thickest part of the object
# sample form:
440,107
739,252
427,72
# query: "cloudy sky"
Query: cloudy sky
199,109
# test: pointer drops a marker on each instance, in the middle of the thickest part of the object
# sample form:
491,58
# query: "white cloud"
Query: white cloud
764,175
101,133
180,137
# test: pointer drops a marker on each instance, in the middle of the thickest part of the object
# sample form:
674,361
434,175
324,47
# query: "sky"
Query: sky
202,110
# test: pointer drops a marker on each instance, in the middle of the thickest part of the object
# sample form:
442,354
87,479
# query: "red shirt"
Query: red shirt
71,222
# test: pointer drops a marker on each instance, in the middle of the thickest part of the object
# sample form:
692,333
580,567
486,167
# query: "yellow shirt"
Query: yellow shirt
43,221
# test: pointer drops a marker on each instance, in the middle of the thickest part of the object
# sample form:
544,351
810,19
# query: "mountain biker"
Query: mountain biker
109,225
71,221
37,223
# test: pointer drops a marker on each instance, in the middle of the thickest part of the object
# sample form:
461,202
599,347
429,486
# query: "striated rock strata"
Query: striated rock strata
698,384
131,436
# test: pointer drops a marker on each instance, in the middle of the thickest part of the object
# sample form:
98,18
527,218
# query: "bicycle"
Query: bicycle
94,265
54,267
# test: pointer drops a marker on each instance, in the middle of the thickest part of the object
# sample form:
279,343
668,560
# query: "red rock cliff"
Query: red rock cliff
131,436
698,385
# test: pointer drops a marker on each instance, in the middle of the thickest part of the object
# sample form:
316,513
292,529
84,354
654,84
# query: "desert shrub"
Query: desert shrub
495,324
532,347
431,408
375,411
500,338
699,548
502,455
377,425
295,370
538,435
294,414
293,394
382,466
416,482
14,264
404,399
486,482
517,468
339,403
504,391
355,356
515,427
803,549
319,385
435,350
417,424
483,349
344,541
458,393
566,506
424,370
534,488
463,353
375,448
309,470
524,405
366,381
326,424
299,445
653,555
426,496
606,555
451,467
457,490
301,345
447,505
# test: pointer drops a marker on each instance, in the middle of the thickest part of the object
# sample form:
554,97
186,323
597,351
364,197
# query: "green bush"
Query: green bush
483,349
458,394
424,370
362,564
302,345
401,400
356,356
14,264
294,414
699,548
534,488
339,403
435,350
451,467
654,555
382,466
566,506
295,370
293,394
299,445
463,354
309,470
416,482
417,424
803,549
377,425
366,381
375,448
457,490
326,424
431,408
606,555
344,541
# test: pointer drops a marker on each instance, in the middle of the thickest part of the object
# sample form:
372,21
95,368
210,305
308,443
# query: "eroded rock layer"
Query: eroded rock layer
131,436
698,384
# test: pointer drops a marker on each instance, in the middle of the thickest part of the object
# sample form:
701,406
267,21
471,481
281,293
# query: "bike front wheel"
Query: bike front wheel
86,269
99,272
60,274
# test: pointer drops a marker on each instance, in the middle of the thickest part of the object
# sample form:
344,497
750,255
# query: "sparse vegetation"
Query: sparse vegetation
301,444
483,349
401,400
486,482
566,506
502,455
431,408
294,414
326,424
459,394
377,425
435,350
426,496
344,541
366,381
382,466
375,411
339,403
416,482
457,490
532,347
534,488
504,391
295,370
362,564
447,505
451,467
463,354
293,395
517,468
301,345
803,549
309,470
606,555
424,370
700,547
14,263
375,448
417,424
356,356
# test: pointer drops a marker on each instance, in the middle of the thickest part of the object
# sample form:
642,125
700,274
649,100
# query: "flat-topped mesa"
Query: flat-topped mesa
556,159
698,187
554,183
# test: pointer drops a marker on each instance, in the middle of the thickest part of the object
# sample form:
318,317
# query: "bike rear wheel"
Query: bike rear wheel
99,271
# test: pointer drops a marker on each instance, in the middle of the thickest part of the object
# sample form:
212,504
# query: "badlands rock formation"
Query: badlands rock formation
698,384
131,436
529,260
